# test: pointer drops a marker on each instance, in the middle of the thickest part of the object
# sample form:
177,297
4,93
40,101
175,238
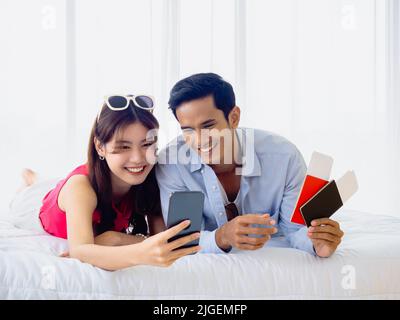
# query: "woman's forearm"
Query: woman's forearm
108,257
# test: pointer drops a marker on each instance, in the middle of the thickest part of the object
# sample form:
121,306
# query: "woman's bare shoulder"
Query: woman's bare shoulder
77,188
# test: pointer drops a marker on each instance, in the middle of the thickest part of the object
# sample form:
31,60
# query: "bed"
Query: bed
365,266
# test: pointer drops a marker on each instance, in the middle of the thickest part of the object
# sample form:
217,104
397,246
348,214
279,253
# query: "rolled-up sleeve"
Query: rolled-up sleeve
295,233
208,243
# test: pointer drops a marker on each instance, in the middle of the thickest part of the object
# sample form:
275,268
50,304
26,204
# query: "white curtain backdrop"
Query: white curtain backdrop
323,73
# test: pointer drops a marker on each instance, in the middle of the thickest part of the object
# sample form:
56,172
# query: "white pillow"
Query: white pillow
24,208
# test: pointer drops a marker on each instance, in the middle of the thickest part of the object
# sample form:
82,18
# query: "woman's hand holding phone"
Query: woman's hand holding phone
156,250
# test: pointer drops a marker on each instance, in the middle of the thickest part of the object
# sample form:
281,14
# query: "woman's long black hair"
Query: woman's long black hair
146,196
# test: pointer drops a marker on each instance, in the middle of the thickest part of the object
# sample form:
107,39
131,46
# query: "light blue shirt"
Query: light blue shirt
272,173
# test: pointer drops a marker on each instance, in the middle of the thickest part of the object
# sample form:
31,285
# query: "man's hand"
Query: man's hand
325,235
235,233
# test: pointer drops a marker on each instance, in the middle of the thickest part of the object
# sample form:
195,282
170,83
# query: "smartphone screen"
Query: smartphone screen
186,205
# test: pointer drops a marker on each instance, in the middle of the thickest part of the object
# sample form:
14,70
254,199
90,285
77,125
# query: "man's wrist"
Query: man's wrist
219,239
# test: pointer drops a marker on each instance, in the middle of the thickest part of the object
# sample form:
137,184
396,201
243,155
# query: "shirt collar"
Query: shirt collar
250,162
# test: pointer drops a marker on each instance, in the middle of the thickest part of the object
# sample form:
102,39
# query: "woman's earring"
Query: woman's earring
101,158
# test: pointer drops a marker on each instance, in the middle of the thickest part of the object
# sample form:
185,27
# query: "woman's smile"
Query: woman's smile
137,170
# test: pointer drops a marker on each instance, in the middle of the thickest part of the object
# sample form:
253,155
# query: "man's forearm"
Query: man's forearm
130,239
114,238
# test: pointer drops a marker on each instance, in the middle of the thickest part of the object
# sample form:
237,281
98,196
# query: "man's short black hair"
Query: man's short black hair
199,86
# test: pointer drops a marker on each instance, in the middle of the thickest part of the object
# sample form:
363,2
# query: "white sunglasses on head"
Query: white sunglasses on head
121,102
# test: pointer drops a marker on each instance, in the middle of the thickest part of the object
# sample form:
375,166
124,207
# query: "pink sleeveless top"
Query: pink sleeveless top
54,220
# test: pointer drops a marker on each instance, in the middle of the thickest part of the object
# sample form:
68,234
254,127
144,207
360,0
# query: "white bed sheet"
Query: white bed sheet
365,266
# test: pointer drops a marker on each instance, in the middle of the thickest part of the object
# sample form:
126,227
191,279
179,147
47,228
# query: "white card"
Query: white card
347,185
320,166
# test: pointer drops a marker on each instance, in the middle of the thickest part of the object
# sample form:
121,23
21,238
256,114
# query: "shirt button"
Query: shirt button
221,214
202,170
214,188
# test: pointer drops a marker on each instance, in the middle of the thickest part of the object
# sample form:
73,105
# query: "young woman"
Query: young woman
108,206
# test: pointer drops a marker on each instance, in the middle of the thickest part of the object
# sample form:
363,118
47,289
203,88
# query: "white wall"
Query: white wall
311,70
32,91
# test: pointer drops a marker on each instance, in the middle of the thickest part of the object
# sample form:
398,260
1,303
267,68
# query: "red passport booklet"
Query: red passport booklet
330,198
318,174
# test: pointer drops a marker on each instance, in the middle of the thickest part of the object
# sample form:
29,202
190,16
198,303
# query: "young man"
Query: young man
251,178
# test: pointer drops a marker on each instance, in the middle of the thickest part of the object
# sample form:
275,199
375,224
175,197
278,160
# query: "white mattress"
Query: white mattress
365,266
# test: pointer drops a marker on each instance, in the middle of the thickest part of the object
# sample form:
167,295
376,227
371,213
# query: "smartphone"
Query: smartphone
186,205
